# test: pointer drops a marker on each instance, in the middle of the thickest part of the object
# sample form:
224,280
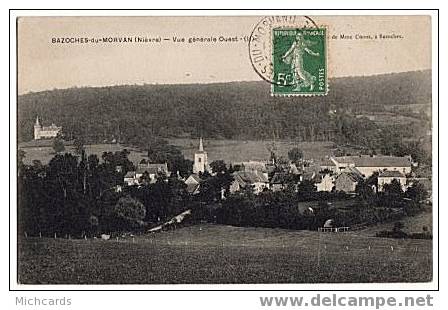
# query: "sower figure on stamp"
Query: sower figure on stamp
294,56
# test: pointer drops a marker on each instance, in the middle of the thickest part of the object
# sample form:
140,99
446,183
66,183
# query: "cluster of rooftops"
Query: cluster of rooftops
262,175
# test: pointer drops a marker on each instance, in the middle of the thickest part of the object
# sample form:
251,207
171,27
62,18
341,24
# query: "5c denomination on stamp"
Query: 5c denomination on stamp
299,57
290,53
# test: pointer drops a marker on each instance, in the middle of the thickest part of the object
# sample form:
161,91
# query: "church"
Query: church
200,159
45,132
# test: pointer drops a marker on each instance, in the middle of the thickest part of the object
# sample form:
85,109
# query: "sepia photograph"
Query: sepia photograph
280,149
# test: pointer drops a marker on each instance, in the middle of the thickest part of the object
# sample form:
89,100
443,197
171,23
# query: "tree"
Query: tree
417,192
130,213
179,163
145,178
79,145
306,190
58,145
218,166
114,159
295,155
159,151
20,157
212,187
364,190
373,179
393,188
93,222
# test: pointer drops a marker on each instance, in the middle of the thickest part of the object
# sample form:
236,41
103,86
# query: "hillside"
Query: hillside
236,110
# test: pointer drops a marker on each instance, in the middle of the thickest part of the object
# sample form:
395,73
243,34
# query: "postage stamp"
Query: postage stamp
299,57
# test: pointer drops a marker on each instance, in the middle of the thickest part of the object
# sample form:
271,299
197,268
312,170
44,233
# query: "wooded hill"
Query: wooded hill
236,110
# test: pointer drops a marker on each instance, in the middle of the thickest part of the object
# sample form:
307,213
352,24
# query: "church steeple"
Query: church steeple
201,146
37,121
200,159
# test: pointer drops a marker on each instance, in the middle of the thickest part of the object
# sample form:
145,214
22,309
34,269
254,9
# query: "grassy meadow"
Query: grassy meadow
227,150
244,150
224,254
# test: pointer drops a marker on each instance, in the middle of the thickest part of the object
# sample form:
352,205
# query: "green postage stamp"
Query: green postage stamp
299,61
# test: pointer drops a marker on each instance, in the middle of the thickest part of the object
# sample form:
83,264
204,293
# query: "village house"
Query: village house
347,180
311,173
153,171
386,177
45,132
293,169
193,183
368,165
245,179
130,179
326,183
279,181
327,164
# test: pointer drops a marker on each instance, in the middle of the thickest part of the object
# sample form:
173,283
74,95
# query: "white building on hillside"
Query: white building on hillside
386,177
45,132
367,164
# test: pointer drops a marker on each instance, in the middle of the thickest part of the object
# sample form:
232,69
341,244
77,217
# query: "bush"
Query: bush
129,213
392,234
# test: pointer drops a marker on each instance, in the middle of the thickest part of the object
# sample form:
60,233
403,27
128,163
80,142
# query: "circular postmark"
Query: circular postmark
283,49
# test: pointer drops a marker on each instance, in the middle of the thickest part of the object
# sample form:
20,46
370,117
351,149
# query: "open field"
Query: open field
238,151
227,150
225,254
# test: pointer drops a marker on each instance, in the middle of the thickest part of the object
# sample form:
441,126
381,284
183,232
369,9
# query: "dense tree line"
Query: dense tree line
282,209
243,110
78,195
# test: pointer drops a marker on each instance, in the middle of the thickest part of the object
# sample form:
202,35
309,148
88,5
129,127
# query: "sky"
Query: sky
43,65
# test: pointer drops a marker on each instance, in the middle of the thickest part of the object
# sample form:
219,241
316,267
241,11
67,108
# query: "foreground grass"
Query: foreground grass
224,254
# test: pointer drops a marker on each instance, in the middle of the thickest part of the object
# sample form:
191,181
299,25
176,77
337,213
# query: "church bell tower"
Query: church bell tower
200,159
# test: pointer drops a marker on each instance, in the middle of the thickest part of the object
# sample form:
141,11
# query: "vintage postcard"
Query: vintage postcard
225,150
